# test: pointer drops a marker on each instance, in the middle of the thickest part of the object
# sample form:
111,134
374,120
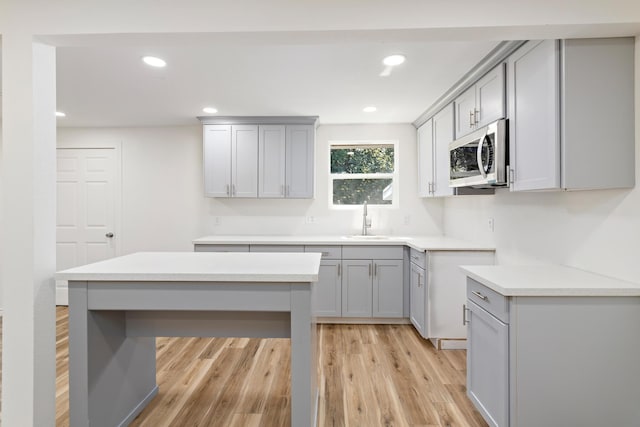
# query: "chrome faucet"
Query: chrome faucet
366,222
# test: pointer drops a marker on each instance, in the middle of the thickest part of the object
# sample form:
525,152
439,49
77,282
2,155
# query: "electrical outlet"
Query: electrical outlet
216,220
490,224
407,219
311,220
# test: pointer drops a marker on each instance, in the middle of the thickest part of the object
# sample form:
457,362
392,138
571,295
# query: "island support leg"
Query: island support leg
111,377
304,391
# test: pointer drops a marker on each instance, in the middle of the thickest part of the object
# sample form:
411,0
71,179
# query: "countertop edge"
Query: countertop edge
633,290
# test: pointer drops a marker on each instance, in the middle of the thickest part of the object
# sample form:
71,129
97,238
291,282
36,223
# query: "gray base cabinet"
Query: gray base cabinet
387,288
328,290
553,360
357,295
417,297
488,365
438,292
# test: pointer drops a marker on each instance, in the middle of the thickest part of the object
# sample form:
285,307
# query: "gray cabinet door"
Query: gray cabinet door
328,290
534,120
217,160
356,288
490,97
425,158
299,161
442,137
244,161
488,365
417,300
271,161
465,107
387,288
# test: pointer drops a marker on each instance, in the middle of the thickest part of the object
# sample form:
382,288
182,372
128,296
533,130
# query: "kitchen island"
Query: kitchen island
117,308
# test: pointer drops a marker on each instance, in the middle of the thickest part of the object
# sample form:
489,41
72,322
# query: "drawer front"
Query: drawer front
488,299
277,248
221,248
372,252
419,258
328,252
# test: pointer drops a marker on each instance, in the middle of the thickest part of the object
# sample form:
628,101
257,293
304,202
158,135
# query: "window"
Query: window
363,171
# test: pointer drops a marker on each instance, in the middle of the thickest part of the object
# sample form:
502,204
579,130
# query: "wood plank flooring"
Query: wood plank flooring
369,375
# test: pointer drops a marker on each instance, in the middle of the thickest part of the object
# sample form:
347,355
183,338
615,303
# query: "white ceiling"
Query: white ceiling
332,76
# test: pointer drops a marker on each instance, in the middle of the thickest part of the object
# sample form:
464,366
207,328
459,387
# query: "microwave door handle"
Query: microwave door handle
483,138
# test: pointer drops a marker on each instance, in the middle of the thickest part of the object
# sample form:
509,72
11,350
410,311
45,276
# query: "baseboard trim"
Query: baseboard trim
364,320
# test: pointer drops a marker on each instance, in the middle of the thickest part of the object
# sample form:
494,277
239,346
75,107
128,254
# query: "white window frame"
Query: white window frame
393,176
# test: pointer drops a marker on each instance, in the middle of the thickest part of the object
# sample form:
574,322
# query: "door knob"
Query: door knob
109,235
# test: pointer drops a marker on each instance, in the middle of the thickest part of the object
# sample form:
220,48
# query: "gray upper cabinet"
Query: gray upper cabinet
571,114
266,157
434,137
230,158
244,157
300,161
286,155
217,160
425,158
482,103
271,161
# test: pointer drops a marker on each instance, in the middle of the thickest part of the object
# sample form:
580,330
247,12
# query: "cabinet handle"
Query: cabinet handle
325,254
419,279
479,295
287,191
512,175
339,272
233,189
471,118
464,315
369,269
476,113
282,190
228,194
375,269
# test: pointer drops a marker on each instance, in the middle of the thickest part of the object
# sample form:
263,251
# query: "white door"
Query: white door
85,208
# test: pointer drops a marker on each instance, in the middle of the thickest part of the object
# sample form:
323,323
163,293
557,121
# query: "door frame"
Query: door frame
62,296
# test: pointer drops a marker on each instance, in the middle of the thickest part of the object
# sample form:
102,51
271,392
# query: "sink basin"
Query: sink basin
367,237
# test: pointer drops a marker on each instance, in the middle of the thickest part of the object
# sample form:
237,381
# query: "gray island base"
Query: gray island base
118,307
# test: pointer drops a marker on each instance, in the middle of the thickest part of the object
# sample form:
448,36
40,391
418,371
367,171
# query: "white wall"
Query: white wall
593,230
164,207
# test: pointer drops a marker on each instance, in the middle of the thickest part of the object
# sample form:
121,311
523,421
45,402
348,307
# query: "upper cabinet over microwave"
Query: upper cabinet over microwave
482,103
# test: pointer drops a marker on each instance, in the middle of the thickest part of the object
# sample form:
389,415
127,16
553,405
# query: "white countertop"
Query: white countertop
548,280
200,266
421,243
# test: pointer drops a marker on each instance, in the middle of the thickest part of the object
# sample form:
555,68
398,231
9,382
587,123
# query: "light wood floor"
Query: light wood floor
369,375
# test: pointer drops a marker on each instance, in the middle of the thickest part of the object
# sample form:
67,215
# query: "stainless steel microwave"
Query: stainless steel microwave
479,159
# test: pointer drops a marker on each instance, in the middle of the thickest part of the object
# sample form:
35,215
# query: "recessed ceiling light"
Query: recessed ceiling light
393,60
60,114
154,62
210,110
370,109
